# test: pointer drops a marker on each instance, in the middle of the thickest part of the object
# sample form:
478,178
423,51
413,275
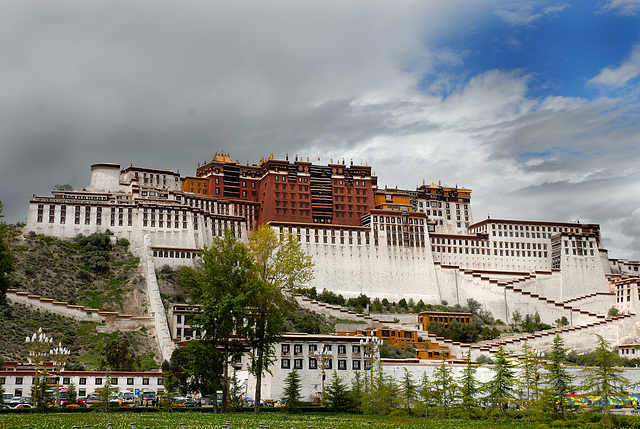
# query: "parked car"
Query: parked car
190,402
23,406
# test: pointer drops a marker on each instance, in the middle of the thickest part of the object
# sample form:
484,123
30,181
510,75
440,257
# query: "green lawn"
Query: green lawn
197,420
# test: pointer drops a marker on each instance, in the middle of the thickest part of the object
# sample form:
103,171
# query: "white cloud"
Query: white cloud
620,76
623,7
527,13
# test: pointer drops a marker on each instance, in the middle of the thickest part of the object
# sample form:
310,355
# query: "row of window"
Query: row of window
392,219
285,363
97,381
297,349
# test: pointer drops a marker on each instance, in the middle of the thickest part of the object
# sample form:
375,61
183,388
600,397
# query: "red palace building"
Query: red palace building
296,192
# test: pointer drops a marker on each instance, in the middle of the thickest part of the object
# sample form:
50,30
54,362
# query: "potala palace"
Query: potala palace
386,243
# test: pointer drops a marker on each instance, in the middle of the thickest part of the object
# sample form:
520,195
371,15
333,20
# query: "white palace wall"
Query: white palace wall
180,223
376,271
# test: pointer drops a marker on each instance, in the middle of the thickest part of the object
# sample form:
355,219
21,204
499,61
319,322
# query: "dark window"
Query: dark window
285,363
98,381
130,381
82,380
297,363
356,364
313,364
297,349
342,349
18,380
342,364
66,380
285,348
145,381
355,350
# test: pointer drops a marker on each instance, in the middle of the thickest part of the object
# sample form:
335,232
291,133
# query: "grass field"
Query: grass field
196,420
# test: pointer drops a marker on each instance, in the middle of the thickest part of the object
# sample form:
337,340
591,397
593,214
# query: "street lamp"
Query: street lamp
371,349
38,345
323,357
59,355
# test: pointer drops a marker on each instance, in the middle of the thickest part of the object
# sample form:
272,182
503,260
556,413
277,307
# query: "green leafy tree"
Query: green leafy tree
180,367
279,263
558,381
603,379
337,395
500,387
280,259
220,287
469,385
118,355
445,387
264,326
1,386
6,260
408,390
169,380
95,250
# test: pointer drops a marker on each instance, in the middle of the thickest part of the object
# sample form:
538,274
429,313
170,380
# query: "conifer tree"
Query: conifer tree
408,391
337,395
427,390
357,389
603,379
444,384
469,386
500,387
292,388
558,381
529,381
6,260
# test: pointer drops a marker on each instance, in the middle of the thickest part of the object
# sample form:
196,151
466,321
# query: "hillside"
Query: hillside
80,272
58,269
71,272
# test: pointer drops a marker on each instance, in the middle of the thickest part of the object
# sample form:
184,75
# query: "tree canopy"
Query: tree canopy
6,260
240,290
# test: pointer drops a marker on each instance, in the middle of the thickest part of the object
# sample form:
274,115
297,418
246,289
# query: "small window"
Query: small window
285,349
297,363
145,381
313,363
18,380
285,363
98,381
82,380
130,381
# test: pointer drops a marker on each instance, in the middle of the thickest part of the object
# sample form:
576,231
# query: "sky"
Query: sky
534,105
